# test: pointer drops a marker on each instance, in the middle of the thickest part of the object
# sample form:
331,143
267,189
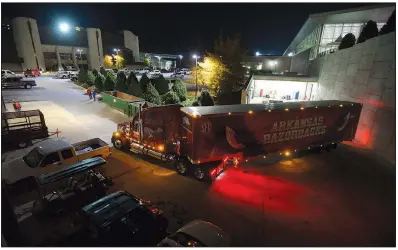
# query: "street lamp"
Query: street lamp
180,60
81,59
160,65
196,66
117,56
258,53
64,27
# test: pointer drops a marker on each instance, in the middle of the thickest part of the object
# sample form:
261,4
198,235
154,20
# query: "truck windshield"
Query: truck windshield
33,158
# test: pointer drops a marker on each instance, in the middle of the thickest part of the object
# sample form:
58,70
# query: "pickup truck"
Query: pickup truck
51,155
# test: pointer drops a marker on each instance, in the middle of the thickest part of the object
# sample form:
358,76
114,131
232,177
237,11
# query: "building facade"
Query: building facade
160,61
49,48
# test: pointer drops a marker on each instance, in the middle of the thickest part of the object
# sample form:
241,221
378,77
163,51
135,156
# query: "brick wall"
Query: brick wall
365,73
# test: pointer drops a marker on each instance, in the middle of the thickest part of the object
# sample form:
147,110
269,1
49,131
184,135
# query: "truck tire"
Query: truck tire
182,166
28,86
118,144
200,173
22,144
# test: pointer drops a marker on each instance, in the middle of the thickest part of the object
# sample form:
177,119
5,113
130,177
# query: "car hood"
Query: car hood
14,169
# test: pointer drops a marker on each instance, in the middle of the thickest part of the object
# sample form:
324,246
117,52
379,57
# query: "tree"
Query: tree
161,85
389,26
103,71
82,77
121,84
347,42
108,61
144,82
119,60
205,99
95,72
171,98
134,88
369,31
110,81
99,82
195,104
132,78
180,89
147,61
90,78
151,95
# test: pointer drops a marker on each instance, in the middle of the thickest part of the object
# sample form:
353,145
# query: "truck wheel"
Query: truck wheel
28,86
118,144
22,144
63,77
200,173
182,167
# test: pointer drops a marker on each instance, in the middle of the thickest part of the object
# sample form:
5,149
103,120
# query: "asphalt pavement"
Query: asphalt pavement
341,198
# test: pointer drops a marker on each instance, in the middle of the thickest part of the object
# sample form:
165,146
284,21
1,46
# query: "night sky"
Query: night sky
184,28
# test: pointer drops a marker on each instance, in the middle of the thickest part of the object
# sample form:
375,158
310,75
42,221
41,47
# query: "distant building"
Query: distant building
160,61
49,48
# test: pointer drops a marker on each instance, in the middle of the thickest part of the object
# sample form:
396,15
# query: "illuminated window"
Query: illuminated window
260,66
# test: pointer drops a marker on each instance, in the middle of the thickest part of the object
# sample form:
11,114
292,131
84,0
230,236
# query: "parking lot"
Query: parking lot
341,198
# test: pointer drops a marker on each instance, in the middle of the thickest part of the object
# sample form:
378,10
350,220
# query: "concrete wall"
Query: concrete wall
365,73
95,50
300,62
131,41
24,42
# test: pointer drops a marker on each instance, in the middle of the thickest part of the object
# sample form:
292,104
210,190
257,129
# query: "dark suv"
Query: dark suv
17,82
121,219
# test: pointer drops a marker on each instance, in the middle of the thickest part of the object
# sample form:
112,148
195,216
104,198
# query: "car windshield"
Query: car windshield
33,158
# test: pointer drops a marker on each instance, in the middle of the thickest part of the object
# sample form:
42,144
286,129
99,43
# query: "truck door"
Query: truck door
68,157
50,163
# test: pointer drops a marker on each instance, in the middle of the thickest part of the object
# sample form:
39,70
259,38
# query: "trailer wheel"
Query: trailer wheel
118,144
182,166
200,173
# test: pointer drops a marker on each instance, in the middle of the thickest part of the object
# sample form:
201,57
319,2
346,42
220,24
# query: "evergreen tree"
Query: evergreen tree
161,85
180,89
134,88
131,77
90,78
99,82
144,82
369,31
110,81
121,84
103,71
347,42
95,72
171,98
151,95
389,26
205,99
82,77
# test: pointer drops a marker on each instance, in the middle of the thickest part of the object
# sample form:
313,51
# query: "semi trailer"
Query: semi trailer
207,139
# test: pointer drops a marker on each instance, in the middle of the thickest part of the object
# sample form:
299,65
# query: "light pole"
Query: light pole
196,66
258,53
160,65
117,55
81,59
180,60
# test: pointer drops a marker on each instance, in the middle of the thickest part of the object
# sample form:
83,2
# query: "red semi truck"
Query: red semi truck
207,139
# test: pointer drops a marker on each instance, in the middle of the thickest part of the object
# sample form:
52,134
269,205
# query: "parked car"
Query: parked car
121,219
17,82
154,73
177,75
50,155
62,74
7,72
31,72
197,233
141,71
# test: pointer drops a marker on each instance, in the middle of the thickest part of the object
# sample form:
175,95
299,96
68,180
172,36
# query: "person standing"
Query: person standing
17,106
89,93
94,93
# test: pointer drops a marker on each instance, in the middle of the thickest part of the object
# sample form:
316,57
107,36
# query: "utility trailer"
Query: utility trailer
19,129
198,137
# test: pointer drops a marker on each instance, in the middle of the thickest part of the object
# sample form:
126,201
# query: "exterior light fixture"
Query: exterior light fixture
64,27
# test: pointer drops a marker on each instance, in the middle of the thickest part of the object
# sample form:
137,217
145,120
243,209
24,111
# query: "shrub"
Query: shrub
151,95
347,42
144,82
161,85
82,77
369,31
389,26
180,89
131,77
195,103
110,81
103,71
134,88
95,72
171,98
99,82
121,84
90,78
205,99
85,85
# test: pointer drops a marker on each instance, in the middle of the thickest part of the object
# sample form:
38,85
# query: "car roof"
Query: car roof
206,232
104,211
52,145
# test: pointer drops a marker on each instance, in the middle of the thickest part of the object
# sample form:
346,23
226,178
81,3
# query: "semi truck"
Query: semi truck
205,140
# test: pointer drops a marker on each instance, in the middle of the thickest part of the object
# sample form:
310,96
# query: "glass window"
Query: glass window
356,30
33,158
66,154
50,159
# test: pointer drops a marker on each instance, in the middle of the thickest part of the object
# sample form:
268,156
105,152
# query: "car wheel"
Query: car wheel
118,144
26,75
200,173
63,77
28,86
182,167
